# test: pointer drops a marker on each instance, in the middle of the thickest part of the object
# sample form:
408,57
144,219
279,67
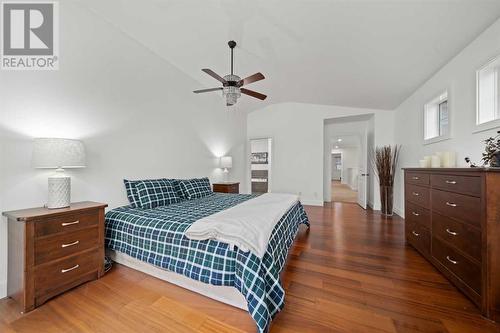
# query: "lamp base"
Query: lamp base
59,194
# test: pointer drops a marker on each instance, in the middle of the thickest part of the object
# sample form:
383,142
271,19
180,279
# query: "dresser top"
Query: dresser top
478,169
33,213
226,183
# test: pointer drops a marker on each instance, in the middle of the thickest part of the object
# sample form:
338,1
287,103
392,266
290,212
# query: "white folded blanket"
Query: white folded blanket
247,225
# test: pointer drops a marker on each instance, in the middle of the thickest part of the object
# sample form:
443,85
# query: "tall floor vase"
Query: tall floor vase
387,200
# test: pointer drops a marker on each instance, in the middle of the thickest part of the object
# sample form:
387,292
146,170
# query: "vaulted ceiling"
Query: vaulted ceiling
371,54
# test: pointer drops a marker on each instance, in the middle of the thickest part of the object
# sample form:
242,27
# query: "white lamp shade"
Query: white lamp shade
51,153
226,162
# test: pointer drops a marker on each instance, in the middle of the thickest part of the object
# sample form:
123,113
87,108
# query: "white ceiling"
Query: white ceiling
371,54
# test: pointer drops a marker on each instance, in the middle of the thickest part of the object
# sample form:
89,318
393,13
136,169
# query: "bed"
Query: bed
154,241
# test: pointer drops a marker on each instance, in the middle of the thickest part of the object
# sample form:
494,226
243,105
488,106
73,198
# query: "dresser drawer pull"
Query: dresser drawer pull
65,224
70,244
451,204
452,182
69,269
416,194
454,262
416,234
415,213
415,178
451,232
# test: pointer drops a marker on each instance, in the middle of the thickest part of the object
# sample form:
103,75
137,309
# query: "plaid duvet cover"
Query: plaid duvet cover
157,236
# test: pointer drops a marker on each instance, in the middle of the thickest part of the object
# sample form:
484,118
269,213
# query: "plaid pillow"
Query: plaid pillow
195,188
133,197
155,193
132,192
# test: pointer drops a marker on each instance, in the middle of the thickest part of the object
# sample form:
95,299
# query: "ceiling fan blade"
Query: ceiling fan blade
252,78
214,75
253,94
207,90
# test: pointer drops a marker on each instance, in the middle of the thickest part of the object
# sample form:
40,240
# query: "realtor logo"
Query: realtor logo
29,36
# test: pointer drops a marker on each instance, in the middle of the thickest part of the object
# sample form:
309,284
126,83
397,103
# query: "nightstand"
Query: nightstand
53,250
227,187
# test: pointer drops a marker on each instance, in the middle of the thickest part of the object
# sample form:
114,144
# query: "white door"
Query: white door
363,175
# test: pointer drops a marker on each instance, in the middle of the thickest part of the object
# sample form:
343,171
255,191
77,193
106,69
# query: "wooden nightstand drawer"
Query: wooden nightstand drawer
56,277
418,214
66,223
58,246
459,184
226,187
418,236
417,178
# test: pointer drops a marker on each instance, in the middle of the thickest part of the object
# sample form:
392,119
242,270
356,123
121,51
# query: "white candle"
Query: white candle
436,161
449,159
423,164
428,160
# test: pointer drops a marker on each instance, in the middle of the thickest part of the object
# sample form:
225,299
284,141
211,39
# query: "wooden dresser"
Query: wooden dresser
228,187
453,220
53,250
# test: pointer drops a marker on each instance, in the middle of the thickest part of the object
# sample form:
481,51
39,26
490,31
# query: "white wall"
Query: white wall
298,143
135,112
459,77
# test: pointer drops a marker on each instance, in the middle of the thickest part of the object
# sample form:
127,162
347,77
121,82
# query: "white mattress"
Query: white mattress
224,294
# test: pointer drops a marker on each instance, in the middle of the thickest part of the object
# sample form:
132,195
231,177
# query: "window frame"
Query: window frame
437,101
491,124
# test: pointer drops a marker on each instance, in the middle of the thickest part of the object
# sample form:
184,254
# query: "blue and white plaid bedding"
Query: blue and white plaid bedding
157,236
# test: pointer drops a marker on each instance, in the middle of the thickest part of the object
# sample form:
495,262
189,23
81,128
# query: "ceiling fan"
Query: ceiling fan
232,84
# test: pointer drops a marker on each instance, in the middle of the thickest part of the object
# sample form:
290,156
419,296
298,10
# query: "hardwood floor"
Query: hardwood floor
350,273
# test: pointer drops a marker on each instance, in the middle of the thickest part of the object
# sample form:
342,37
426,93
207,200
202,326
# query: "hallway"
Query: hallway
343,193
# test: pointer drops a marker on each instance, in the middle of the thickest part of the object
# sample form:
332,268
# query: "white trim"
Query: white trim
3,289
489,125
308,202
225,294
399,211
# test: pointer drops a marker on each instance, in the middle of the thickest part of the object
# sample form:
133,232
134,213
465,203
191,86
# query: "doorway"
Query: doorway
345,166
260,165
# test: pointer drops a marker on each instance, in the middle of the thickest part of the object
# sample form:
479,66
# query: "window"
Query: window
436,119
488,90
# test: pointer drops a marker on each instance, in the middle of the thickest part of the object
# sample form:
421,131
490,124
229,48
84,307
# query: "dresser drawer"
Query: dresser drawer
418,236
66,223
459,184
417,214
460,266
57,246
52,276
462,207
418,195
460,235
417,178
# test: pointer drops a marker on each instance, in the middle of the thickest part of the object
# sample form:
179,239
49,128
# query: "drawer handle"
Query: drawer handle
65,224
416,234
415,178
454,262
69,269
415,213
70,244
451,204
416,194
452,182
451,232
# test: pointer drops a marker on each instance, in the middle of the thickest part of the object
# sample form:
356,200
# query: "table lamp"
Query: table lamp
54,153
226,162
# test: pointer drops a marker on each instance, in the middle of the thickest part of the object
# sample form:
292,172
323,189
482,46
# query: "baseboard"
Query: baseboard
3,289
311,202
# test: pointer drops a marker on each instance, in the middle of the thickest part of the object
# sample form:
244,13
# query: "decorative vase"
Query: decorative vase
495,160
386,200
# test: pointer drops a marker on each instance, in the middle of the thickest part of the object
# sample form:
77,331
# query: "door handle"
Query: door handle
454,262
451,204
451,232
416,234
416,214
452,182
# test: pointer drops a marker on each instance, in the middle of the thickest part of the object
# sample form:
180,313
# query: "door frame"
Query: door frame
248,166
